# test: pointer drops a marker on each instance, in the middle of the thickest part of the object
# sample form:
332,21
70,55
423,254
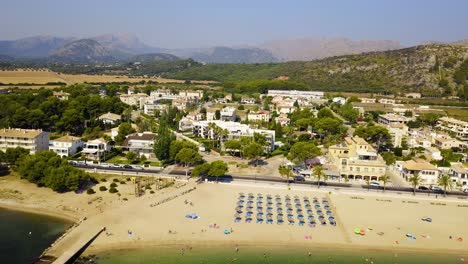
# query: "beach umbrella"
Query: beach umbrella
236,215
310,213
331,218
328,212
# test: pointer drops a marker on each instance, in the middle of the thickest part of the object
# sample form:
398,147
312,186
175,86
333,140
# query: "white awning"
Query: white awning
365,153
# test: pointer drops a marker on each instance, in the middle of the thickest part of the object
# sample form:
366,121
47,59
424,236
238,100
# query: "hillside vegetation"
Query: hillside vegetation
429,69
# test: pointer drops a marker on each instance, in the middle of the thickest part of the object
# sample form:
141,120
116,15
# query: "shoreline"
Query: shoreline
147,245
20,207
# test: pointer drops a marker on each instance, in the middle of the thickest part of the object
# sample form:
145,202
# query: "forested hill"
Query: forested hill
430,68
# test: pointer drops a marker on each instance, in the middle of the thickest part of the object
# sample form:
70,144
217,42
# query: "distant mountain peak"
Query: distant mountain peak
82,50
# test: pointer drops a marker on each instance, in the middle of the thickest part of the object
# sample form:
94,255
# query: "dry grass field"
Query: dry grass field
28,76
46,76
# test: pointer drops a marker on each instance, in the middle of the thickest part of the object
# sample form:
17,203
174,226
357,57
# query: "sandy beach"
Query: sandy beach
139,223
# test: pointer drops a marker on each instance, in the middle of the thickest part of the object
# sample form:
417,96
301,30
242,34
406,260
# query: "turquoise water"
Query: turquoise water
261,255
17,245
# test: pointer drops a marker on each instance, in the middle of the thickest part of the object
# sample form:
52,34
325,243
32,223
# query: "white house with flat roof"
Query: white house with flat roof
96,149
392,119
66,146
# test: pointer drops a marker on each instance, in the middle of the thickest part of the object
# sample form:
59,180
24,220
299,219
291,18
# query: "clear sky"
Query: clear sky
202,23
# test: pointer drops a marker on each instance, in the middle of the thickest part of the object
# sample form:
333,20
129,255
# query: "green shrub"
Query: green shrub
115,180
113,190
128,179
90,191
113,185
125,199
103,180
103,188
151,191
123,182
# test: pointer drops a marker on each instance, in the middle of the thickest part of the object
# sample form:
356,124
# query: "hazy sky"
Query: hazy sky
201,23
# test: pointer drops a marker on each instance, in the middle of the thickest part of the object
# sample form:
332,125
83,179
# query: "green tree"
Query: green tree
389,157
131,156
217,114
319,174
163,142
253,152
445,181
125,129
301,151
325,112
385,179
415,180
377,135
285,172
218,168
177,145
233,146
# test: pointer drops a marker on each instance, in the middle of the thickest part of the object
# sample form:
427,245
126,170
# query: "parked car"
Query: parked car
299,179
465,190
138,168
104,165
374,184
423,188
127,166
115,165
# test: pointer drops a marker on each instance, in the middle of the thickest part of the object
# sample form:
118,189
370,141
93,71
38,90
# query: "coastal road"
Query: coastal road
266,180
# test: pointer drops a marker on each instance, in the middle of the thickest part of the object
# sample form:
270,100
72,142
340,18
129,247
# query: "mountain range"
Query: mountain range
124,47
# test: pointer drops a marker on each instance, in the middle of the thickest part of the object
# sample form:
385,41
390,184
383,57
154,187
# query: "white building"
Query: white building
247,100
228,114
339,100
61,95
294,94
234,131
30,139
110,118
283,120
387,101
392,119
140,143
428,172
458,127
96,149
192,95
66,146
151,107
138,99
459,174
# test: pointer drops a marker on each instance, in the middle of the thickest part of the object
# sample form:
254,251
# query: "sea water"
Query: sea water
24,236
263,254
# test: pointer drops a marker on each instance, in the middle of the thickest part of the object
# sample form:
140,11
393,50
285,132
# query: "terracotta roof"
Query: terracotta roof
418,166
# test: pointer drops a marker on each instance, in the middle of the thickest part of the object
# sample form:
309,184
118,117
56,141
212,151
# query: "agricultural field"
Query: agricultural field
40,77
29,76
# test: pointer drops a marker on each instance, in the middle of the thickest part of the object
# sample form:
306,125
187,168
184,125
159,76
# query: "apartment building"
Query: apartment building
30,139
294,94
140,143
193,95
96,149
66,146
458,127
459,174
447,143
392,119
228,114
150,108
234,130
260,116
356,159
138,99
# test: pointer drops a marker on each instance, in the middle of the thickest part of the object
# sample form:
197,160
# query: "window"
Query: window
358,169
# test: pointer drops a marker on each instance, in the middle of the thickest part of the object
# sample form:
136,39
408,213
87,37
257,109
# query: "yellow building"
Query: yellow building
356,159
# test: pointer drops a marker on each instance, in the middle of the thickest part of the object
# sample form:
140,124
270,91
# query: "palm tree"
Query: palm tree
446,182
368,183
385,179
286,172
415,180
318,174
